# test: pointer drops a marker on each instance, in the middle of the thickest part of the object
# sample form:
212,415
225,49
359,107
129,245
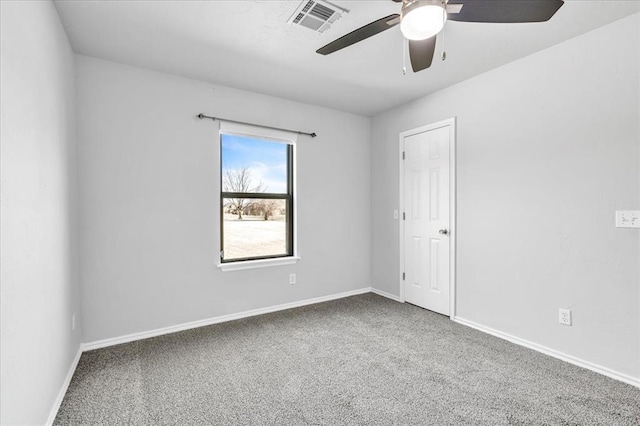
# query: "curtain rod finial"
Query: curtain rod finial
313,135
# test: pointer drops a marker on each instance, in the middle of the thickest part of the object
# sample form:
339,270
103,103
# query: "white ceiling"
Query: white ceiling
249,45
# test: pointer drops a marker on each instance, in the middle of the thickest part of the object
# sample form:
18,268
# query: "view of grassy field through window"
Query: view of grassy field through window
254,227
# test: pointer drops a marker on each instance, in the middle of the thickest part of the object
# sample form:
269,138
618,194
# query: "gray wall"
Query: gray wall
548,149
38,277
149,182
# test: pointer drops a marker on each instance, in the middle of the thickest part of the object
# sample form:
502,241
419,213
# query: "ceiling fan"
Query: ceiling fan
421,21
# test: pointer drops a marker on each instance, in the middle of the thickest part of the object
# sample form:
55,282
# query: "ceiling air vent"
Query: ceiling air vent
316,15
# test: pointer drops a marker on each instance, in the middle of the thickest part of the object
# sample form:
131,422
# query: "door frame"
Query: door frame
451,122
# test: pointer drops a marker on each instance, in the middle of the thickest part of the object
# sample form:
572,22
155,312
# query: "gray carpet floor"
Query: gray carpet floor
363,360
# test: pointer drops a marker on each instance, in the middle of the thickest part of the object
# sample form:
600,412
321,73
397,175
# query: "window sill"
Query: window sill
262,263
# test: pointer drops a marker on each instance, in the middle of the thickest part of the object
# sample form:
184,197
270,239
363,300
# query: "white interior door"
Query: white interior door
427,217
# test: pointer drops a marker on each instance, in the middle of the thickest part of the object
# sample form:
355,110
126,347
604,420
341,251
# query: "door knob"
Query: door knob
443,231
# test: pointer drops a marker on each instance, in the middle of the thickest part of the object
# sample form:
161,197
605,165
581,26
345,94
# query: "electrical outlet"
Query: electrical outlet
292,279
628,219
564,316
73,322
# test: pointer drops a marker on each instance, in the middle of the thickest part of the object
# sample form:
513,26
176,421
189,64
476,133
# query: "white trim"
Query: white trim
385,294
634,381
451,123
294,192
401,217
259,263
453,214
216,320
63,390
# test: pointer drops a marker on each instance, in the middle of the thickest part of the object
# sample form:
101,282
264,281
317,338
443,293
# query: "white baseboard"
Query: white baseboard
216,320
634,381
385,294
63,390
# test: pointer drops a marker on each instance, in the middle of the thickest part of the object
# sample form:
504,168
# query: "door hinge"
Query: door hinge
404,216
403,276
403,155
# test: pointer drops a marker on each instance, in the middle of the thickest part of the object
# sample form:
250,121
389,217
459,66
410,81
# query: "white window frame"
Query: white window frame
271,135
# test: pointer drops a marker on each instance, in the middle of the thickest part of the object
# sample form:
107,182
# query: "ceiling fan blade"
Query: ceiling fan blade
360,34
505,11
421,53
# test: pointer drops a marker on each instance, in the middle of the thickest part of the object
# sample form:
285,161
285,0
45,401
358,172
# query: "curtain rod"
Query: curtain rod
201,116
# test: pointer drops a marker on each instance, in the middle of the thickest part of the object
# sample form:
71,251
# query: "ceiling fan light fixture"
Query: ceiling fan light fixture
422,19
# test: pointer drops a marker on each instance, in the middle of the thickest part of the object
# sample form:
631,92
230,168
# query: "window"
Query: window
256,198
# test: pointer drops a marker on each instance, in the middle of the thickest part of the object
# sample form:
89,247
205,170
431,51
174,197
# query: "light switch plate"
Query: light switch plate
628,219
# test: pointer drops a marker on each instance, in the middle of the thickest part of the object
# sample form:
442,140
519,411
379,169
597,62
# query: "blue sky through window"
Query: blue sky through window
267,161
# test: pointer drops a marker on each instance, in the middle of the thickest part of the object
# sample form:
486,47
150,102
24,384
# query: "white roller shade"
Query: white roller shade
259,132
